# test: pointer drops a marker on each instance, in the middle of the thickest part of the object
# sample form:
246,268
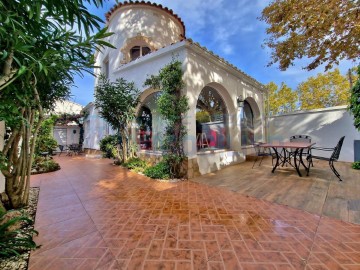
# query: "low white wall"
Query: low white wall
2,132
212,161
325,126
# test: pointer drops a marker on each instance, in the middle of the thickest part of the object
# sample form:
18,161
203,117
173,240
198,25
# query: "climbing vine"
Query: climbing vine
172,106
355,102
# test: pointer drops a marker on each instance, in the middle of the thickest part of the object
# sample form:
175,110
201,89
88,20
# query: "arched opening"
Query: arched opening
144,123
211,120
149,126
247,124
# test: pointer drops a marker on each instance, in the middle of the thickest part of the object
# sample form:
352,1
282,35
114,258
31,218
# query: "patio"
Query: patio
93,215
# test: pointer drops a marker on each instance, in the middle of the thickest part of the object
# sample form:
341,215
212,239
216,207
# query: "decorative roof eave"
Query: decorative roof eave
226,63
189,41
128,3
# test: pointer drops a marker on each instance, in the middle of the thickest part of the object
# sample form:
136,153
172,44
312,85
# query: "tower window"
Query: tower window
138,51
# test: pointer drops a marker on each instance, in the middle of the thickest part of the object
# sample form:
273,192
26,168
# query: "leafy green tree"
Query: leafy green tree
325,31
45,141
40,51
281,100
354,106
172,107
324,90
116,102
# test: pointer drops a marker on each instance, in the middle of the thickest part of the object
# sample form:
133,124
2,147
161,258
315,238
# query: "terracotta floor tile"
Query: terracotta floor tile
93,215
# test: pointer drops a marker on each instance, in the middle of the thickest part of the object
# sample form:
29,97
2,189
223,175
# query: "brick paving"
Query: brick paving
93,215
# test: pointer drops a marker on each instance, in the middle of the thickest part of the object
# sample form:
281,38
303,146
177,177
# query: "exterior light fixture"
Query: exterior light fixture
240,101
81,120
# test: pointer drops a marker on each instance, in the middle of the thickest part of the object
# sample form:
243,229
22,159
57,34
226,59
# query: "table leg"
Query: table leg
295,161
277,159
307,168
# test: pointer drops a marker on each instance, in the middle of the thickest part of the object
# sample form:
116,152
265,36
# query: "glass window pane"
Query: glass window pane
145,50
135,52
211,124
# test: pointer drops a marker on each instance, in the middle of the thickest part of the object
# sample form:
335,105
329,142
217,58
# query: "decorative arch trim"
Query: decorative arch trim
138,40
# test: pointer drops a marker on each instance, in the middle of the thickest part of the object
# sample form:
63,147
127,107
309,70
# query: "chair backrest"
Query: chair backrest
300,138
61,147
335,155
259,150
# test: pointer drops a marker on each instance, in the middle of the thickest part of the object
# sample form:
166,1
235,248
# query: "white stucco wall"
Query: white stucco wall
2,132
200,69
95,128
325,126
65,135
204,69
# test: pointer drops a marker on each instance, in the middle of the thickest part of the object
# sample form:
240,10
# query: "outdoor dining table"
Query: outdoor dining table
283,156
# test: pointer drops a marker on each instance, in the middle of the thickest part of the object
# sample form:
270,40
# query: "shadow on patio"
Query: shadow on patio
320,193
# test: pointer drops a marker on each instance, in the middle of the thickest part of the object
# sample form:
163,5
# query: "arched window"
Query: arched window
144,135
247,125
137,51
211,120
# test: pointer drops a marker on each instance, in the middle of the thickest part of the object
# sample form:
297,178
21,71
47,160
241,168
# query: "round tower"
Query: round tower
140,28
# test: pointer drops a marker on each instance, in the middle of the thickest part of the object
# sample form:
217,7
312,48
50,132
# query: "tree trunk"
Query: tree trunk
124,140
20,149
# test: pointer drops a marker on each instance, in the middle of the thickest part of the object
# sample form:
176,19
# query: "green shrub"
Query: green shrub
45,141
356,165
15,242
44,164
135,164
159,171
108,145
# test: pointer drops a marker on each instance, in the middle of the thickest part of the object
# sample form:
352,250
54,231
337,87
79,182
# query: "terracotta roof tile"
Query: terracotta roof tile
128,3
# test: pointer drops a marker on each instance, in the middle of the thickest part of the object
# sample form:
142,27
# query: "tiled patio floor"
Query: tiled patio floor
92,215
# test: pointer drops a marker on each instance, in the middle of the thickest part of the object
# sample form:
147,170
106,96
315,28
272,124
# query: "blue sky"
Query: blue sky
228,28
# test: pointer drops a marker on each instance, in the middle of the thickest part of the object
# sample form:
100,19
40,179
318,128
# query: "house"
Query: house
67,132
226,111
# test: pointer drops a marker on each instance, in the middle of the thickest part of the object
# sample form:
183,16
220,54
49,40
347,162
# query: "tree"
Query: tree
172,107
281,100
324,90
325,31
354,106
40,52
116,102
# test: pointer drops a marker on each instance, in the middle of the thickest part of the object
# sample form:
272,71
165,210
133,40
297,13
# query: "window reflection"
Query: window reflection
211,124
247,125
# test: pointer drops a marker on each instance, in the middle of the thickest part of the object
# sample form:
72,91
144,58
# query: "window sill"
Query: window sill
212,151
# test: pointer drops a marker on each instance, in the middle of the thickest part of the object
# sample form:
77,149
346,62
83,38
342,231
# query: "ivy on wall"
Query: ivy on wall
354,107
172,106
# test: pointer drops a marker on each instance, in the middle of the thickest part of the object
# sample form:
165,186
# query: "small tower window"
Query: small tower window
138,51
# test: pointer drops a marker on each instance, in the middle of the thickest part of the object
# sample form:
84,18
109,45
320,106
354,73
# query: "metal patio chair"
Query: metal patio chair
334,156
261,152
300,138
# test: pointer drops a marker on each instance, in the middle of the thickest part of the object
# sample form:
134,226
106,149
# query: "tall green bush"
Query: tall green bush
108,145
116,102
172,106
354,107
45,141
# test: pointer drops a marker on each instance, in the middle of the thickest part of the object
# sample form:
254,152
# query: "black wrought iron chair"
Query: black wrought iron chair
261,152
301,138
334,156
61,148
